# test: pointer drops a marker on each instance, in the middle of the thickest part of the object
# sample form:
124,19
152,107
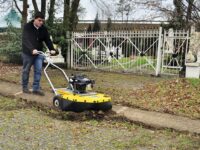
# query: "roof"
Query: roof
117,26
11,18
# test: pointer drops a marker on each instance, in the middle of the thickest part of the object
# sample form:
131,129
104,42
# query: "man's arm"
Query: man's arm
26,39
49,43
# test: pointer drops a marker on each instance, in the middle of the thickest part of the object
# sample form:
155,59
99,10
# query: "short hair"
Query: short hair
39,15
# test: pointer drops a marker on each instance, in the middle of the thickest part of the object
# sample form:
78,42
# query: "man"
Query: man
34,34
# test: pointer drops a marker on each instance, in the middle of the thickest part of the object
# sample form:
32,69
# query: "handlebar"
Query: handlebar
50,62
44,54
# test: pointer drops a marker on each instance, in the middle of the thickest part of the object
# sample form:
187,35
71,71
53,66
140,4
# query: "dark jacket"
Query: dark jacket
33,38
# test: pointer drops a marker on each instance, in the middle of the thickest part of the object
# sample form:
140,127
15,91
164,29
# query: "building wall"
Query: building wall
116,26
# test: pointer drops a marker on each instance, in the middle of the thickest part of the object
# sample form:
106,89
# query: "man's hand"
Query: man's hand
35,52
52,52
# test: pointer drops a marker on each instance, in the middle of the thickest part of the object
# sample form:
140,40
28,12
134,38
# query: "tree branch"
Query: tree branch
43,7
17,7
193,5
73,14
35,5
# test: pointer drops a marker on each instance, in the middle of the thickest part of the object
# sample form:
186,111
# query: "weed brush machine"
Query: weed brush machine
78,96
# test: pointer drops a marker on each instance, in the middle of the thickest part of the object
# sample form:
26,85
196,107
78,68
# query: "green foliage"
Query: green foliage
109,24
56,30
97,24
11,51
89,29
194,82
14,38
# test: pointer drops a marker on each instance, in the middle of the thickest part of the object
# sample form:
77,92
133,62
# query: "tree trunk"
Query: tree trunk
51,13
35,6
69,21
66,45
179,13
189,13
24,12
66,16
178,9
43,7
73,14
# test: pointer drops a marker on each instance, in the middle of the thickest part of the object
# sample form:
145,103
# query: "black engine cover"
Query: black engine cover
80,82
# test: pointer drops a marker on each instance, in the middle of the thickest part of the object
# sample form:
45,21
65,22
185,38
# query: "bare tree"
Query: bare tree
105,7
121,8
66,15
73,14
43,6
35,5
23,12
51,13
5,5
192,11
81,11
125,8
70,17
183,13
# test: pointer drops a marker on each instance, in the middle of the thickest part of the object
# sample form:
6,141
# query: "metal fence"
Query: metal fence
141,51
128,51
175,48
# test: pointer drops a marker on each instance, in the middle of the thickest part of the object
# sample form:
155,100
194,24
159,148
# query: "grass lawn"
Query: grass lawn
28,126
127,63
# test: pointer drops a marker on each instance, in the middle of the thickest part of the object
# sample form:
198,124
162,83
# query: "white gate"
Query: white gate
141,51
130,51
175,48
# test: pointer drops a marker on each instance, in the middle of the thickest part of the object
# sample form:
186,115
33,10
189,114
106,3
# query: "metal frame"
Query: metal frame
150,43
178,45
49,62
85,43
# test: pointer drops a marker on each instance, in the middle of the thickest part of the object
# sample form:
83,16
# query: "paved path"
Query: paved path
148,118
159,120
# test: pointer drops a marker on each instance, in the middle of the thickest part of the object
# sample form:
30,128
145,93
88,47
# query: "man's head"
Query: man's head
38,19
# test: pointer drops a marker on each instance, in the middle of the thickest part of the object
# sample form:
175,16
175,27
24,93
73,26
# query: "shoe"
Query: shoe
27,91
40,93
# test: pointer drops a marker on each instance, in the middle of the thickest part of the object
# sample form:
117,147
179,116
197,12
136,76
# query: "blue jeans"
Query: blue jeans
37,62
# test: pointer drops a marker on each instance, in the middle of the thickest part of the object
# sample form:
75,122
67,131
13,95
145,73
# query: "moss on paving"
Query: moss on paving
25,126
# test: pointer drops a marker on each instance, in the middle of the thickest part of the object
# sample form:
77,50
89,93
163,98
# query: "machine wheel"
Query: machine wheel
62,104
57,102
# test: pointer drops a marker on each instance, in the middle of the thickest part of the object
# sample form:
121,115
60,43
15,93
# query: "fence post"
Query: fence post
72,51
68,59
159,54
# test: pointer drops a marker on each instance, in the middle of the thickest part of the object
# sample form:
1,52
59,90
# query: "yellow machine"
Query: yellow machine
78,96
